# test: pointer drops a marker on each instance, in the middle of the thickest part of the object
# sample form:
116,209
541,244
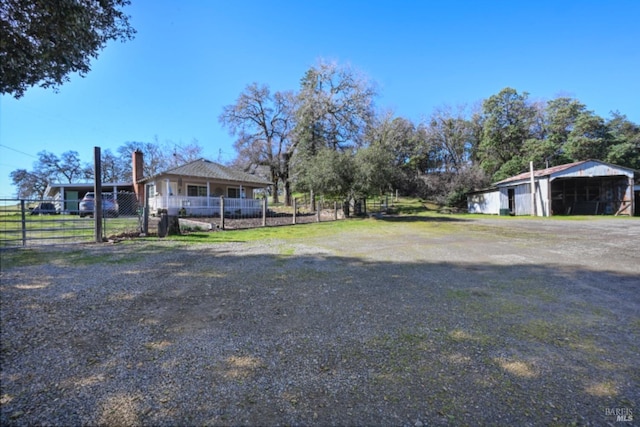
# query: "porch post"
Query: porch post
167,195
221,213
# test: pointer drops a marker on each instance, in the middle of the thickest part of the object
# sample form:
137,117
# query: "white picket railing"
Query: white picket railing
205,206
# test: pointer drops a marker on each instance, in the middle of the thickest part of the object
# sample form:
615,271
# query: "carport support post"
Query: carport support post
97,200
145,211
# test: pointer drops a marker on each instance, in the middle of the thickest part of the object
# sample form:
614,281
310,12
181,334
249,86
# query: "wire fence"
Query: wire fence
219,213
29,222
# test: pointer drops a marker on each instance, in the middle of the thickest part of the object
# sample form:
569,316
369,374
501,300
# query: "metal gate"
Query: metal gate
31,222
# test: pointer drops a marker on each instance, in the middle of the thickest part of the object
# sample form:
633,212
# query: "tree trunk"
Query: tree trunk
274,179
287,193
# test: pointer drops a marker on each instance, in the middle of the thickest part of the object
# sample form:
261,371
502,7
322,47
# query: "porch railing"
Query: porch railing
205,206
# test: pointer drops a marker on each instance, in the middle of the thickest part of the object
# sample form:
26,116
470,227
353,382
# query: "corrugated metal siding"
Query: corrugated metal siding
593,168
523,199
542,197
485,203
504,198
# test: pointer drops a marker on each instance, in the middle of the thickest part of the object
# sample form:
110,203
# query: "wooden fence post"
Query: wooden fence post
295,207
318,211
97,195
264,212
335,211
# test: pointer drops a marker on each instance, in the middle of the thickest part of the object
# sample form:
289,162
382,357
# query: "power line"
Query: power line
18,151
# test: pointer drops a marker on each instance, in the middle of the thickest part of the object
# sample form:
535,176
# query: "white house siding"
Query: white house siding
485,203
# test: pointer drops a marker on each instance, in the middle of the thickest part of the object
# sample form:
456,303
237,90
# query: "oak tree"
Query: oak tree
43,41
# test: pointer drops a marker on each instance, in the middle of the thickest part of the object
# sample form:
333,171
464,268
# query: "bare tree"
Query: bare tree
156,157
452,138
29,184
179,153
262,124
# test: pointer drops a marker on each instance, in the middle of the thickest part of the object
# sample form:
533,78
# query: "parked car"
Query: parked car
109,205
45,208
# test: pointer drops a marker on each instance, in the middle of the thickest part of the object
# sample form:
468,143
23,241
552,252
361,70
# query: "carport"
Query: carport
598,195
68,196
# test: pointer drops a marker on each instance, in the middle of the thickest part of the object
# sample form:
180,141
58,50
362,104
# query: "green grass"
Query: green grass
405,207
59,228
23,257
27,257
300,231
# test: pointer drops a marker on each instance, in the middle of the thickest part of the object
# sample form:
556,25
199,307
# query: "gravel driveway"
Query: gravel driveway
409,321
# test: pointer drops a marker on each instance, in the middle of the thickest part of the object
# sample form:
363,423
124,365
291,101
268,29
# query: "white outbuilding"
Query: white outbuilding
589,187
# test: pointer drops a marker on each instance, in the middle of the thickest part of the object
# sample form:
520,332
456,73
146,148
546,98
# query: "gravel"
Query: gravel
480,322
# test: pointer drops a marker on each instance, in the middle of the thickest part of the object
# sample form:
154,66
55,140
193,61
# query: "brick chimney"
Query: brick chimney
137,164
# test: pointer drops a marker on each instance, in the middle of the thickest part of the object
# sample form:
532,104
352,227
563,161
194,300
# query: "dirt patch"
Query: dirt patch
507,322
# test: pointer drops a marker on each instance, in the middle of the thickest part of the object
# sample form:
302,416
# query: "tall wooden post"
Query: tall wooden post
264,212
97,191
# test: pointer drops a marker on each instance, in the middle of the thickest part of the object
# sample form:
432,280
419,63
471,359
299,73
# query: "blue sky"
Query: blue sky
190,58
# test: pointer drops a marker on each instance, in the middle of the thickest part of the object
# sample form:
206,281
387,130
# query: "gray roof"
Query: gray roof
203,168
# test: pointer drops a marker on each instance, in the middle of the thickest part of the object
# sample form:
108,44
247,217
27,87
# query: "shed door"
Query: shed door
512,200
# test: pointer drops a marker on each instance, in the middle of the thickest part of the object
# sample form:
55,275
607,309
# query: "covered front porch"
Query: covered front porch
196,197
202,206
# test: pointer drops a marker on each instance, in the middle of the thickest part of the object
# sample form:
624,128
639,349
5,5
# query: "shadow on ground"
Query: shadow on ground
237,335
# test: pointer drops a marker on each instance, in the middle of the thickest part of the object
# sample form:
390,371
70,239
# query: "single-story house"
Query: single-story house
588,187
195,189
67,196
